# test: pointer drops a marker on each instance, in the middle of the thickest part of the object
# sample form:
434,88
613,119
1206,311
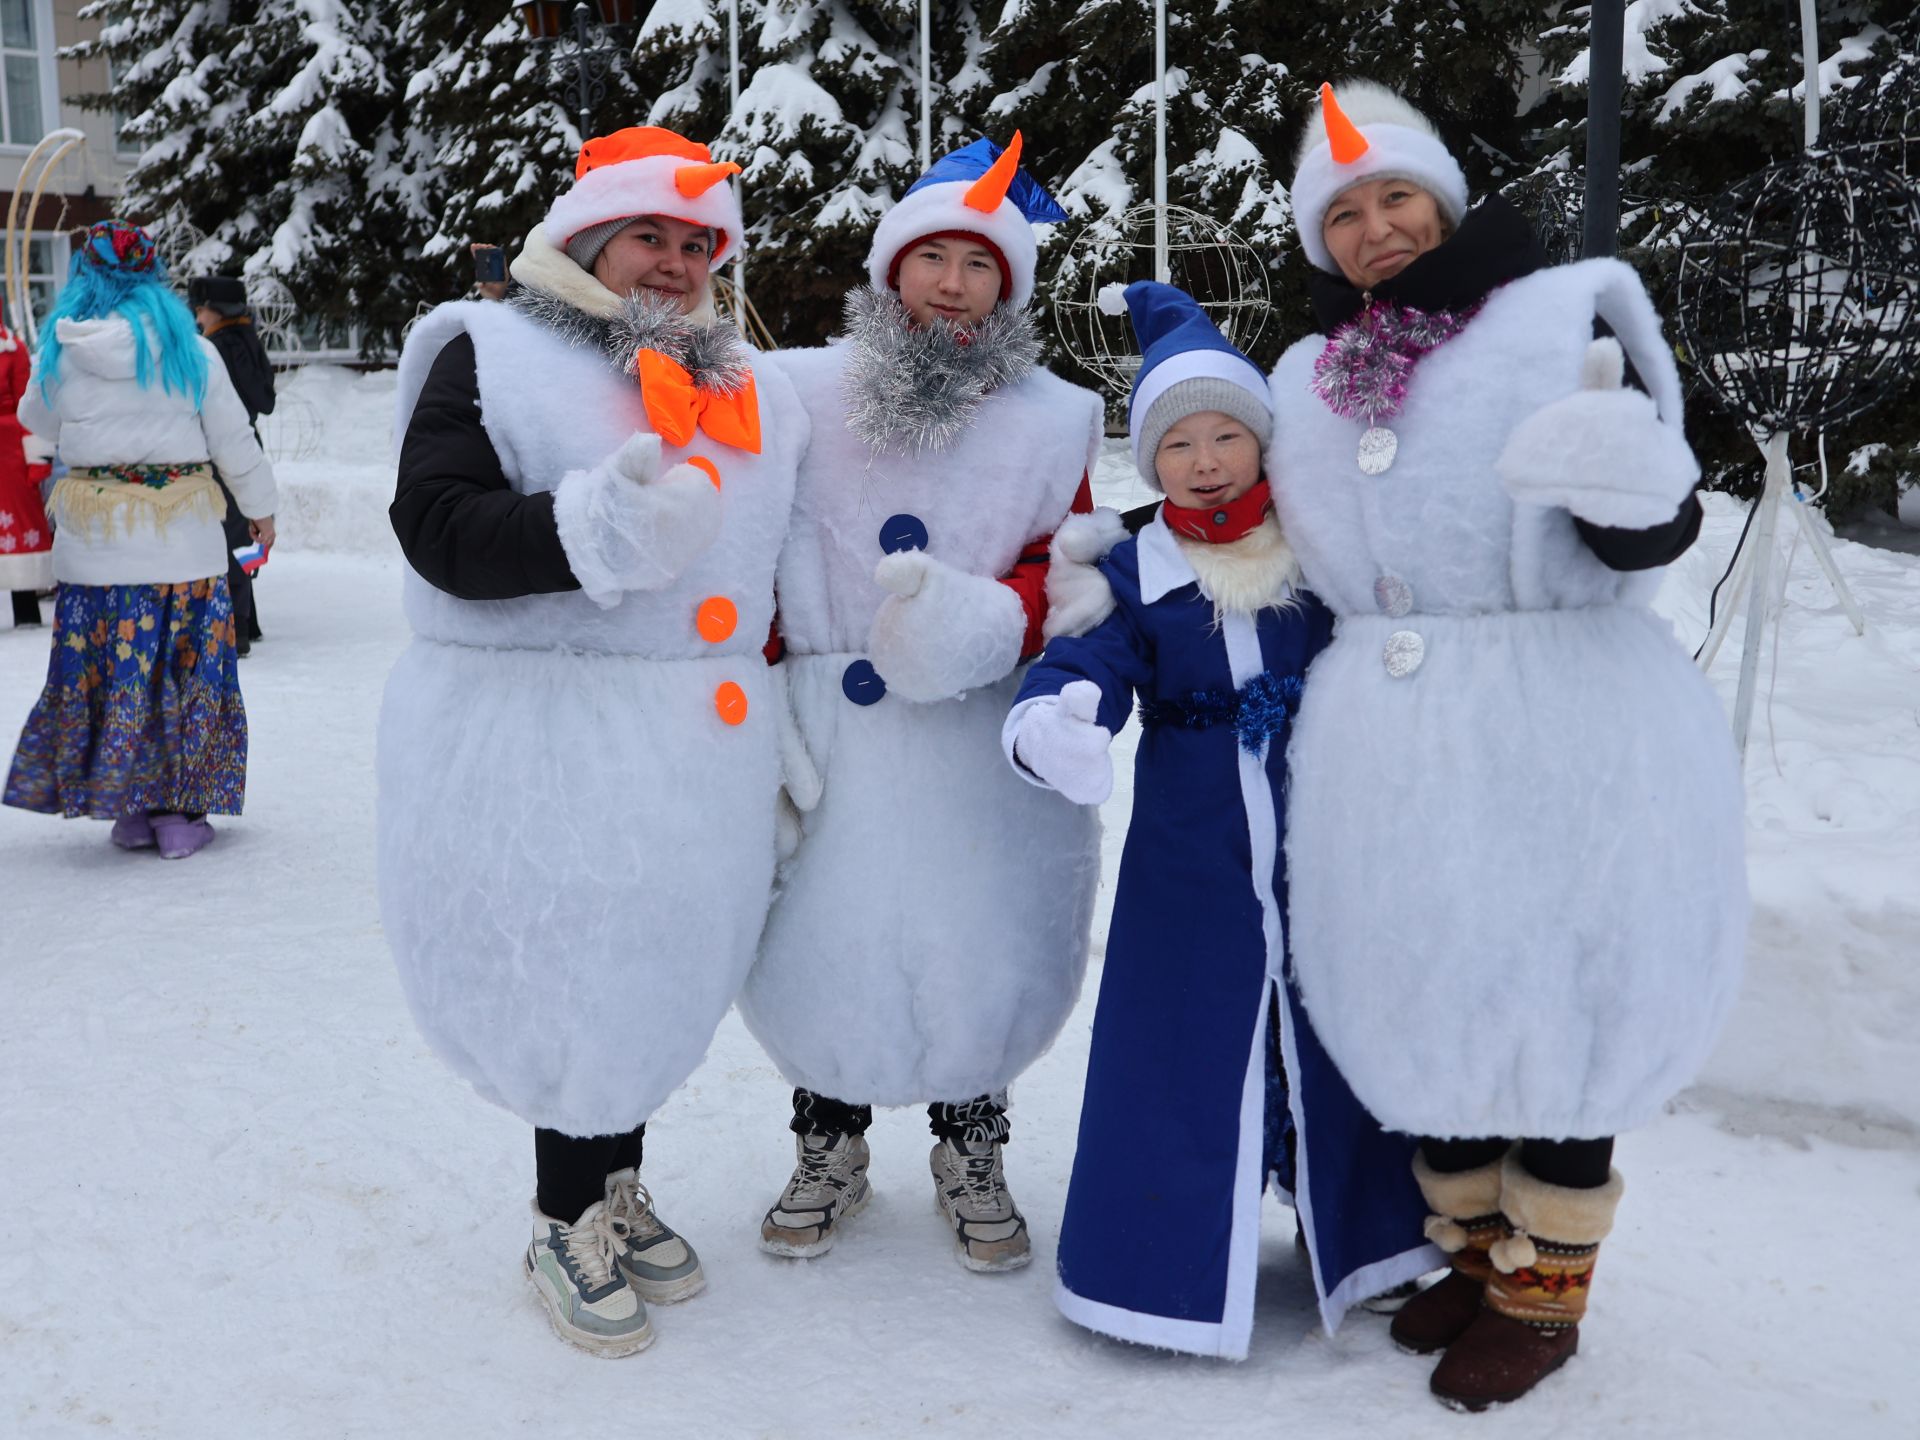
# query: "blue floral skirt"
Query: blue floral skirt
142,708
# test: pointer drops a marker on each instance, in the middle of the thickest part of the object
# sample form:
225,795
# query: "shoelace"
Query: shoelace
978,1175
630,1211
815,1171
590,1249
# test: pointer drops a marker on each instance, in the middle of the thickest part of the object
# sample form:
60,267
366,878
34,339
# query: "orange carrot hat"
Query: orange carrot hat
646,170
1364,131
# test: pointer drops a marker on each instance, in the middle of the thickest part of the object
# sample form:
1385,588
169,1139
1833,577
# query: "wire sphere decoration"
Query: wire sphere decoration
274,312
294,430
1879,120
1798,295
1552,200
1204,258
184,248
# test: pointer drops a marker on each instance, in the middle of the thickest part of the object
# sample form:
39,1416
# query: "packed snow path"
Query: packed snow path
240,1199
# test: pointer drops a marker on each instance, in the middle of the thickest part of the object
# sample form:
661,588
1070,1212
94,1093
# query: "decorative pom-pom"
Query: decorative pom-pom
1516,1252
1112,298
1446,1233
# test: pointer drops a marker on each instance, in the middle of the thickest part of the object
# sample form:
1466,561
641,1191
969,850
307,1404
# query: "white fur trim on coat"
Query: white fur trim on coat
941,207
1246,575
1401,142
645,186
1078,595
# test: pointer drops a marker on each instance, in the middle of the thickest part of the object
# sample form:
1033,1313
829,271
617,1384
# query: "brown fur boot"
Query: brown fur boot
1465,1222
1536,1294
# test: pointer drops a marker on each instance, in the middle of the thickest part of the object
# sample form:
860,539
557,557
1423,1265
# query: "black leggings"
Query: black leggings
981,1120
1576,1164
572,1171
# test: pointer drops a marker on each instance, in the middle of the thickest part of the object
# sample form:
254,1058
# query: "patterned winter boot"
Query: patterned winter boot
970,1187
588,1299
1465,1222
829,1185
658,1263
1536,1294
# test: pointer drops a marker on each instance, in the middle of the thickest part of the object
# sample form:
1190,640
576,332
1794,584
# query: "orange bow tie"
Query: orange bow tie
677,407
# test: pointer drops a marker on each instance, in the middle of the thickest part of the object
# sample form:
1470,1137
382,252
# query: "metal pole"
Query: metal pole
733,108
1810,66
926,91
1600,219
1162,270
585,81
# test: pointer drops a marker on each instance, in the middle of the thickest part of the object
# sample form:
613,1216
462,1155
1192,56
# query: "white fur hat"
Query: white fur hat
646,170
1364,131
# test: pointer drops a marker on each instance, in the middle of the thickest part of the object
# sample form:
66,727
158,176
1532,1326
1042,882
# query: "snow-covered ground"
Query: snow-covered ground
238,1198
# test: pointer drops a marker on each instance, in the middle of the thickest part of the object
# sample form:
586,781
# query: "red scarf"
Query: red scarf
1221,524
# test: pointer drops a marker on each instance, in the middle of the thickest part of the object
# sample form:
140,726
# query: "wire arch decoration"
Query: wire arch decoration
184,247
1798,294
1204,258
730,298
295,429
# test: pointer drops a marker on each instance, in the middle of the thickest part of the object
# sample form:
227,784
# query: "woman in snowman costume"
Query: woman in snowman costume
1515,842
580,752
929,935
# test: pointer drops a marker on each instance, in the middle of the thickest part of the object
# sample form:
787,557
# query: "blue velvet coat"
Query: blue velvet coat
1160,1239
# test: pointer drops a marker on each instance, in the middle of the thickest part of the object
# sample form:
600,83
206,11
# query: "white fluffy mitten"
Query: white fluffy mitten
624,529
1078,595
1061,742
1603,452
942,632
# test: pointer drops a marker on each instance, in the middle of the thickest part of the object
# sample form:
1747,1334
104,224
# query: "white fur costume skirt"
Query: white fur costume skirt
930,932
575,858
1518,890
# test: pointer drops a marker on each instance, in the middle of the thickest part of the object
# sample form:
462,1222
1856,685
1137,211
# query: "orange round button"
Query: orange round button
706,467
715,619
731,701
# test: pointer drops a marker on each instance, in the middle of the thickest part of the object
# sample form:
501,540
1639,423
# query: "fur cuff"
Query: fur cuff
1078,595
572,498
1556,1214
1461,1195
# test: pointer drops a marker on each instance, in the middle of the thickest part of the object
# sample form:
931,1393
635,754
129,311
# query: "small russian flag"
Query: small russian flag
251,557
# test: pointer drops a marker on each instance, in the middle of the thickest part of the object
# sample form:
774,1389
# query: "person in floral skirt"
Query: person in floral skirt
141,721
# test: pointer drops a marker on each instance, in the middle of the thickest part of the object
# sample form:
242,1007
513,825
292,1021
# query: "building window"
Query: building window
22,117
123,144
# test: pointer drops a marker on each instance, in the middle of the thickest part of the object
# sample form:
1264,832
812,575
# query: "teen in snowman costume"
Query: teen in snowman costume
580,753
1515,840
929,935
1202,1058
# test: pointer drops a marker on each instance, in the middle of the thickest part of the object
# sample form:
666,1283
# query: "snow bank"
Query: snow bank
330,436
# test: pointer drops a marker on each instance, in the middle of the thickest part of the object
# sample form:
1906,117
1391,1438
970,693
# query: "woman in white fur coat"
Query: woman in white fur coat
580,753
1515,842
930,933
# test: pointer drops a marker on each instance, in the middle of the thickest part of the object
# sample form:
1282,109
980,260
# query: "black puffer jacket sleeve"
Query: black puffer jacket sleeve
460,524
247,366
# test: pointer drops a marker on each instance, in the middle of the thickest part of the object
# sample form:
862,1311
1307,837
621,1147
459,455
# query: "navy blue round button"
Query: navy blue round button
861,683
903,532
1219,517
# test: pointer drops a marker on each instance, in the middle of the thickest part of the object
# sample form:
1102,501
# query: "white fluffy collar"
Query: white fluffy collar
1247,576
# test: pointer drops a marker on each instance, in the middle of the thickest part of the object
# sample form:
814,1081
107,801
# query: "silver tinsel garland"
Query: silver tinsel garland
911,388
714,355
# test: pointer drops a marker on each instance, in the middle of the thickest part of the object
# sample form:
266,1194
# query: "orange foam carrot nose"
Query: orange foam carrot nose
990,189
1343,136
693,181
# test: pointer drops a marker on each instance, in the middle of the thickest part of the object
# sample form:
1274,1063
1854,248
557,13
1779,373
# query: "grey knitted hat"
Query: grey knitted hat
1190,397
583,249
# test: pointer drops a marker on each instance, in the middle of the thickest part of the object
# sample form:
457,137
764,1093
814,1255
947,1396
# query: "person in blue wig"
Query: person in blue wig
1204,1077
928,935
141,720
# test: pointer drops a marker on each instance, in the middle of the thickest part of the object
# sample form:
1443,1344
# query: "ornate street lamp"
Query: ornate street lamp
585,57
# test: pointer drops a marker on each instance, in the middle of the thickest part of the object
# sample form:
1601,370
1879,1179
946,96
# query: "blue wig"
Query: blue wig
93,291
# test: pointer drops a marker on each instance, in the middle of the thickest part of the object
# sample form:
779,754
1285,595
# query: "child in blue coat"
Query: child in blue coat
1204,1073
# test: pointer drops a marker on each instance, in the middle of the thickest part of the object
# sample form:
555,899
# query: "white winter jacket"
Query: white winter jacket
97,413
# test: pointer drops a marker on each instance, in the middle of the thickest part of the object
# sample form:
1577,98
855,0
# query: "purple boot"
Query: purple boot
179,837
133,832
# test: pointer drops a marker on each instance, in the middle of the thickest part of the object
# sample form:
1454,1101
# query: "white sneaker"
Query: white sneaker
587,1295
829,1185
657,1262
970,1187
